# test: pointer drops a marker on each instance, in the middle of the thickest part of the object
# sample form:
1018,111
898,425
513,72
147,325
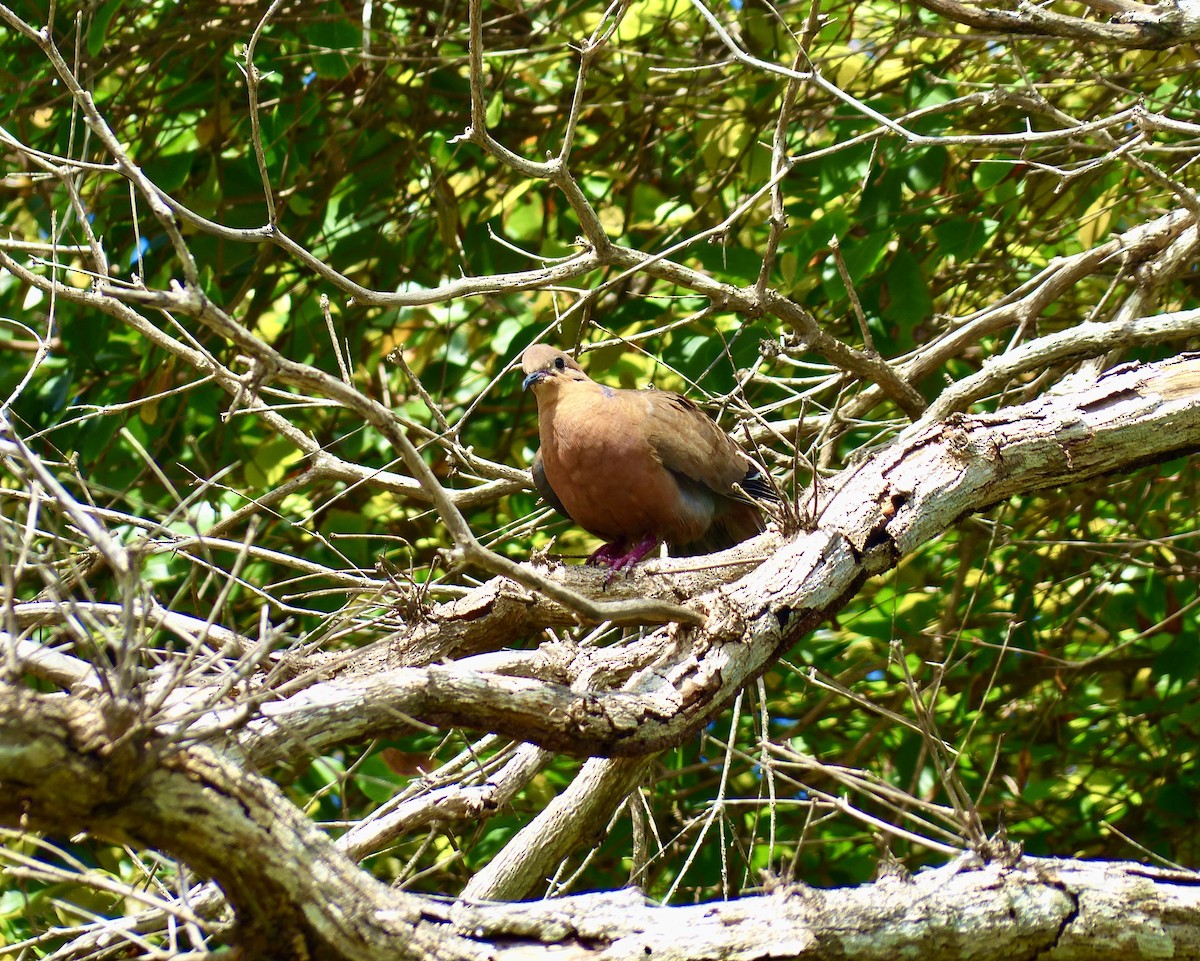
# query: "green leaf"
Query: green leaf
909,300
98,29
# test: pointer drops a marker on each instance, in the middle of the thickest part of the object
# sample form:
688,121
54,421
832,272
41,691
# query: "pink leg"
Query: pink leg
635,554
606,554
616,558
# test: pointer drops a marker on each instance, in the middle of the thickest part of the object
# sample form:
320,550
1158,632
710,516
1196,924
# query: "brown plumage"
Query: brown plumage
635,467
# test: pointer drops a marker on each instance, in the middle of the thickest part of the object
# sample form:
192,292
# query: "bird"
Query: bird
638,467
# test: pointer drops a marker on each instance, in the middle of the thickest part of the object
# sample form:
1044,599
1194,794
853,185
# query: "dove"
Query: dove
637,468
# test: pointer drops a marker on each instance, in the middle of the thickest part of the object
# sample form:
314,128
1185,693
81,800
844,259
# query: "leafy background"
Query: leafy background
1050,644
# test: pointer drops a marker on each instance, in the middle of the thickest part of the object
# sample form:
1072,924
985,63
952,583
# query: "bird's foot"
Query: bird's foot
606,554
636,553
616,558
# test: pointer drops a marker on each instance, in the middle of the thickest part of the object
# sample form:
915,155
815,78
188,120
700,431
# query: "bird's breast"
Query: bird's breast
599,462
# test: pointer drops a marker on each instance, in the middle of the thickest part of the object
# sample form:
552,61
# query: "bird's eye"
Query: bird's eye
560,363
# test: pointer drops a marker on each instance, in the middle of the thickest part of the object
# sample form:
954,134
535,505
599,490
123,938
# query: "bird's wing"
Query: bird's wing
538,471
690,444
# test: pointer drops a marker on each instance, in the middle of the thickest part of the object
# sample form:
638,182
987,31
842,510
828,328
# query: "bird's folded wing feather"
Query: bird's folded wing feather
688,442
538,470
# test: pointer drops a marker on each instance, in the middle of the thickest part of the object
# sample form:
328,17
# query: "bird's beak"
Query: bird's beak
535,378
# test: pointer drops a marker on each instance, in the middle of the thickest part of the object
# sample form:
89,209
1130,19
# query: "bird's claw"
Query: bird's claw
616,558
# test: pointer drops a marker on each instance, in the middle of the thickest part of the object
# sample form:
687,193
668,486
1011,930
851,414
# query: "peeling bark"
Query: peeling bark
297,896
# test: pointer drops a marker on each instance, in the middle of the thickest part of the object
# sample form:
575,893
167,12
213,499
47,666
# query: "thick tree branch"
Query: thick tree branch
70,766
1137,26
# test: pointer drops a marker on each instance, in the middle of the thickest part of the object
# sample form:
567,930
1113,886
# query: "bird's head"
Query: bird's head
541,363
